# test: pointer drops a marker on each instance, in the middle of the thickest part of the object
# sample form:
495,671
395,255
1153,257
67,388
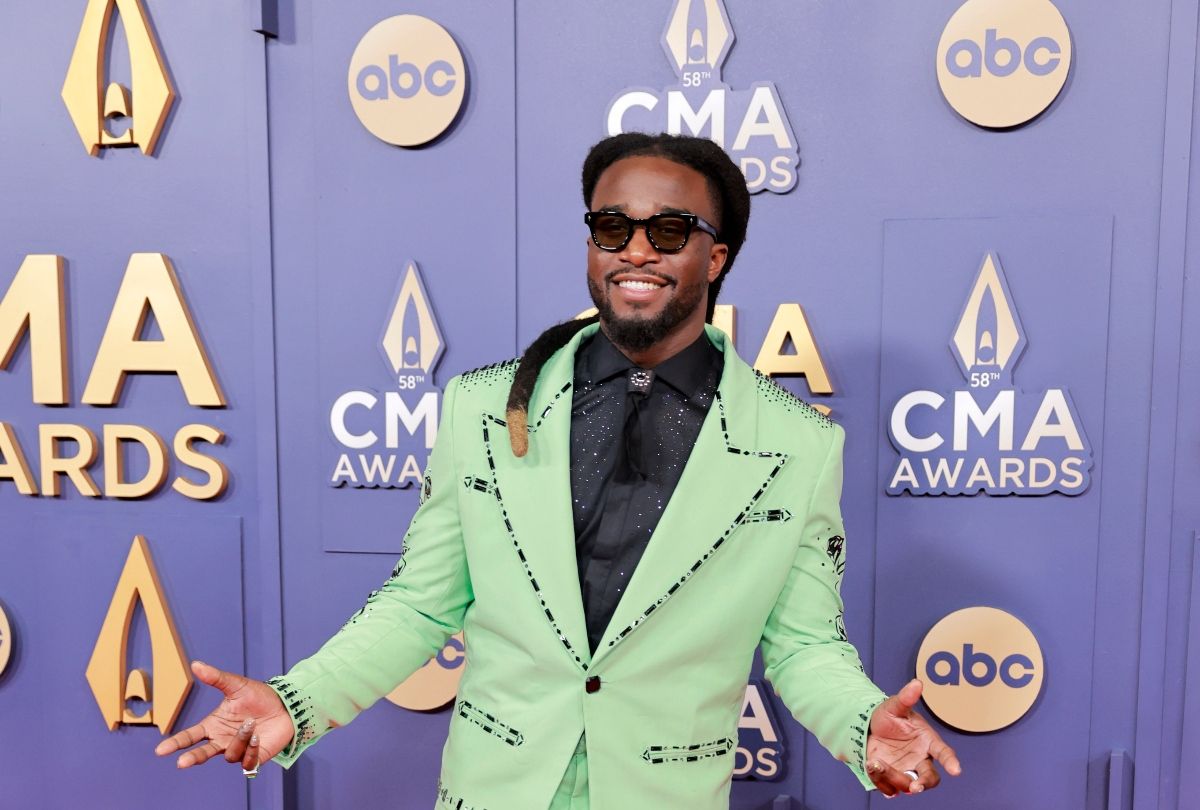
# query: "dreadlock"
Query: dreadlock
730,199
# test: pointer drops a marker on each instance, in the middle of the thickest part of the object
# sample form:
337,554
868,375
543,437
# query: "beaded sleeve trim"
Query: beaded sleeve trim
299,706
858,737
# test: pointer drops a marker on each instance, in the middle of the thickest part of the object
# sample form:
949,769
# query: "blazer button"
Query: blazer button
592,684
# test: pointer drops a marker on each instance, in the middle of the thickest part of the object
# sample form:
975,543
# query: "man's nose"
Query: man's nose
639,251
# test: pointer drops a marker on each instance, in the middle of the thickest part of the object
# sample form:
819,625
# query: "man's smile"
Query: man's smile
639,286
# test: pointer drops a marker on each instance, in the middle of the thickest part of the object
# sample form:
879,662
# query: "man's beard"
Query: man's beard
636,334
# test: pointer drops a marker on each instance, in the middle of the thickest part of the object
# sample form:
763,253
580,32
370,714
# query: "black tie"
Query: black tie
638,383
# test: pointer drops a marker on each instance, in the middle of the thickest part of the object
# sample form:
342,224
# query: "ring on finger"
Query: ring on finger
250,774
913,775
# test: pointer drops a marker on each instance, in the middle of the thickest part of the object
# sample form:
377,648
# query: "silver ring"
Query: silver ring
250,774
913,775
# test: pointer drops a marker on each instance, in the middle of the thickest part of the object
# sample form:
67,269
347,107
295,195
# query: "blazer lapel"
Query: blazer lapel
534,494
724,477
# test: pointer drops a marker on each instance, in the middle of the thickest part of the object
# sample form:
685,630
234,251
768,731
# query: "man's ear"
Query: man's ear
716,261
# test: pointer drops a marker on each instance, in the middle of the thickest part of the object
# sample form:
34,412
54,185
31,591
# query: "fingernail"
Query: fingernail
246,726
254,740
916,787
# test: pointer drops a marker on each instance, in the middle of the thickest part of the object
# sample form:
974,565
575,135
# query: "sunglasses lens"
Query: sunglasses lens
610,230
668,232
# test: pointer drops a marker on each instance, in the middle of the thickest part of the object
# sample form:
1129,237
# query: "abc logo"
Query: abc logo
435,684
407,80
965,59
6,640
1000,63
982,669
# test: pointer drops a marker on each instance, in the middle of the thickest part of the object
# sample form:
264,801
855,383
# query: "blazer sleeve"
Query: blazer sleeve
401,625
809,661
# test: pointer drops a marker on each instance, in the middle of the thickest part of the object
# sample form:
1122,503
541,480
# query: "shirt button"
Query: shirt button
592,684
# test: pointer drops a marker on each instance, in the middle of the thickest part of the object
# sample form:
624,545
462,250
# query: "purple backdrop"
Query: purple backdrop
289,225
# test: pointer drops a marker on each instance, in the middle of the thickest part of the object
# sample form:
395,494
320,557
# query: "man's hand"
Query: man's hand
902,740
251,725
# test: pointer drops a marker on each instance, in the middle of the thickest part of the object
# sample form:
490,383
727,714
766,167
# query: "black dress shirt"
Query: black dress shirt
628,450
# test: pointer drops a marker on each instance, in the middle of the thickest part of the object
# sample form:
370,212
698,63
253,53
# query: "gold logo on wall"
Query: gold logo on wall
989,336
411,340
407,80
93,102
698,34
112,685
6,640
1001,63
982,669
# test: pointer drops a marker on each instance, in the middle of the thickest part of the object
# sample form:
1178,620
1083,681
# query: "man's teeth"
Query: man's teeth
638,285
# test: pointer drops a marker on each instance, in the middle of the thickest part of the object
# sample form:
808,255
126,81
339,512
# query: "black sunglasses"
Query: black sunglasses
612,230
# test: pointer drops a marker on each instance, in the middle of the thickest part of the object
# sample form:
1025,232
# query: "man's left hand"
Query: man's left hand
902,740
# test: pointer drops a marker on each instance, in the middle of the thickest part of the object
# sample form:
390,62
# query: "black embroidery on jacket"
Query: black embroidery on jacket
493,375
449,800
300,707
772,391
658,754
490,724
478,484
769,516
835,547
512,534
858,737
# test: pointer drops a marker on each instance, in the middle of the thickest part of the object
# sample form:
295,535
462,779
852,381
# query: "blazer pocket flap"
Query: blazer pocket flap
474,483
768,516
658,754
490,724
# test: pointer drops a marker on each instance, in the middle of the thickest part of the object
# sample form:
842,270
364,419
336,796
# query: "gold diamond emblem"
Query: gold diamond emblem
698,35
91,101
112,685
412,342
989,337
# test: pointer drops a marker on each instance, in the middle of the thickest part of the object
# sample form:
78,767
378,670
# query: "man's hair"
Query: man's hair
730,198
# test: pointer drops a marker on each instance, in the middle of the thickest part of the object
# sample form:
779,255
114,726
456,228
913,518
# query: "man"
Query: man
646,513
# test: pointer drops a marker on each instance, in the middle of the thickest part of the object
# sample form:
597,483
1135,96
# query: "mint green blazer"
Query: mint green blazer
748,553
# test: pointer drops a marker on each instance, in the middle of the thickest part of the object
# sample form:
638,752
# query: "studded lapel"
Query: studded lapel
724,478
534,494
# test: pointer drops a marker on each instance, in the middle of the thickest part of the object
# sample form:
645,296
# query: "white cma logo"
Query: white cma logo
411,346
750,125
985,420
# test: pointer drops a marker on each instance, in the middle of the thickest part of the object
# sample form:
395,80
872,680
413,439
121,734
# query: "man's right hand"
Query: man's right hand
251,725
